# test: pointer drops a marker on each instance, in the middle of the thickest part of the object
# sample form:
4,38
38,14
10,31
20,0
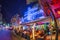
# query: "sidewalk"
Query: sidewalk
53,37
16,37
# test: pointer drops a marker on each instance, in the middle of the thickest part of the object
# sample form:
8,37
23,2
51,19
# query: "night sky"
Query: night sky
11,7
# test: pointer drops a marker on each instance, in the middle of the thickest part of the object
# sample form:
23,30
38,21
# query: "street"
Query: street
5,35
8,35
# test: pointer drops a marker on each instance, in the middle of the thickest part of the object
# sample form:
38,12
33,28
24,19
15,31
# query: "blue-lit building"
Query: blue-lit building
32,13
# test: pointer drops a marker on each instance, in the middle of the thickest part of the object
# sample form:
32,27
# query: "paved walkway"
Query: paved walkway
16,37
53,37
8,35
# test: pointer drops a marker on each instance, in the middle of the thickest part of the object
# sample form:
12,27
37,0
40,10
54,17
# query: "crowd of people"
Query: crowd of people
38,34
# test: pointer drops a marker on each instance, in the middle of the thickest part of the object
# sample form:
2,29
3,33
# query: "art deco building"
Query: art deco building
0,15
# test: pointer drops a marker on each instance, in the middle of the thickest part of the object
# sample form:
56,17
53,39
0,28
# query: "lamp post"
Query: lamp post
33,33
45,4
55,22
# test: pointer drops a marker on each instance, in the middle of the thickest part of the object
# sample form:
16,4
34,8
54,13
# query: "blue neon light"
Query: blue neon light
33,13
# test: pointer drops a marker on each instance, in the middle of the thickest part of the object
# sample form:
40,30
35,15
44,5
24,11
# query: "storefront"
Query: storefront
36,28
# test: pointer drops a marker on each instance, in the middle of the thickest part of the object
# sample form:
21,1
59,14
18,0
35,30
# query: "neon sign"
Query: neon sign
33,13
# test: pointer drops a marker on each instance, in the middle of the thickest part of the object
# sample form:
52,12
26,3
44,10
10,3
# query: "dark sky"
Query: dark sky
11,7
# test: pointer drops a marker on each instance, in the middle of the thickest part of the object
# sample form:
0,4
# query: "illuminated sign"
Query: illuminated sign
33,13
53,2
57,13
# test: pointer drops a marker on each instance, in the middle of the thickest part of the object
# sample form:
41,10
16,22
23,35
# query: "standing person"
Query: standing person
47,30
